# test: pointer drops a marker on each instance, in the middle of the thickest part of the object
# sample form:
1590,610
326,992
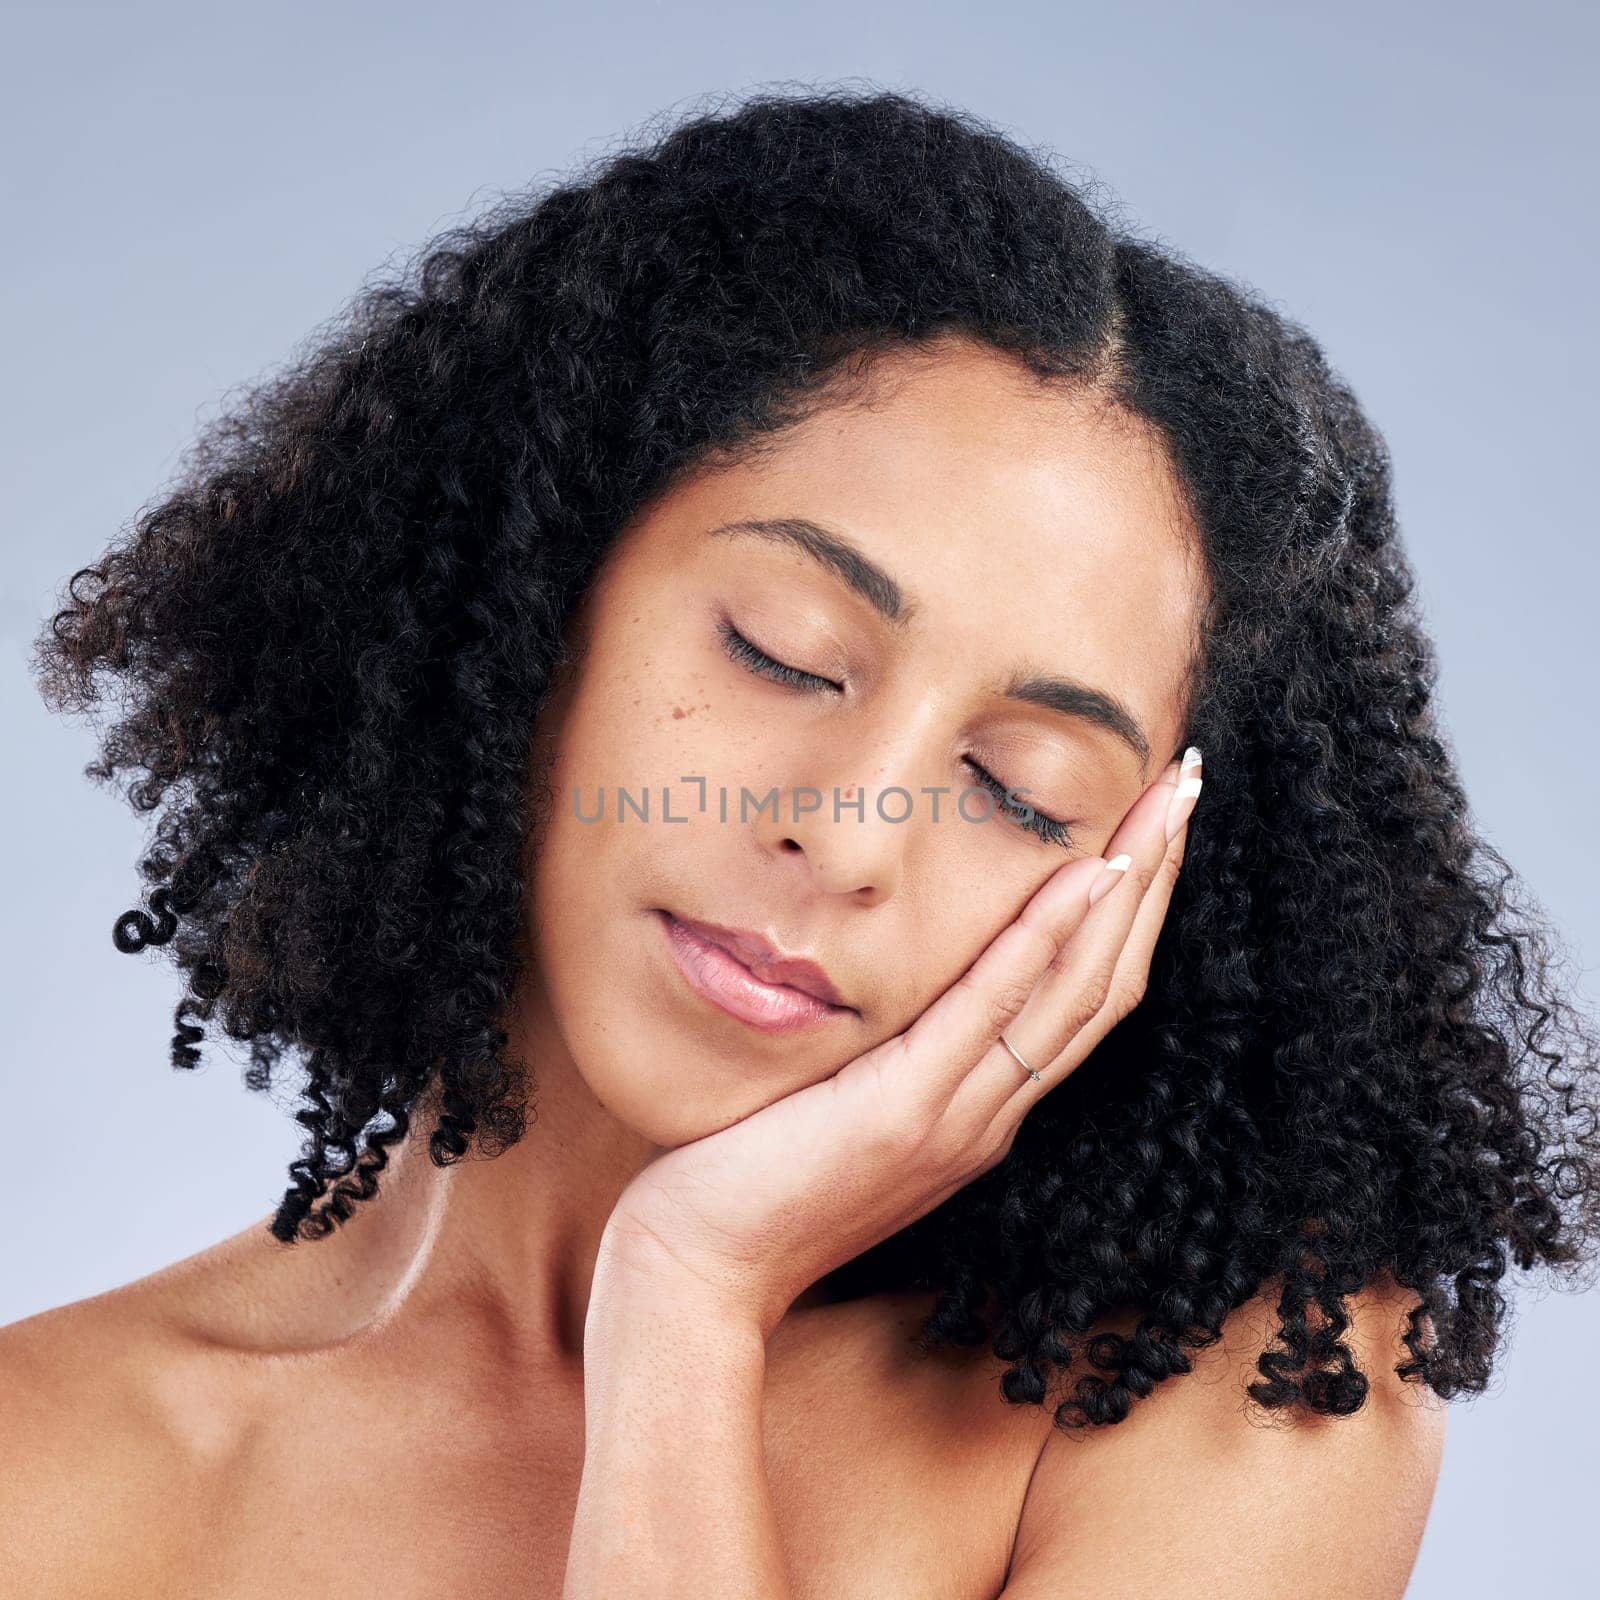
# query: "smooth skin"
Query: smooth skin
749,1216
713,1241
455,1382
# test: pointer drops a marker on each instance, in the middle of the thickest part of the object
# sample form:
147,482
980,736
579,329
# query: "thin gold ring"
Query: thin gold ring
1019,1061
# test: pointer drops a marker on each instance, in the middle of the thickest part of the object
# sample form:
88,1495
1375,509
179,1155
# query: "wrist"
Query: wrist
664,1314
663,1350
638,1278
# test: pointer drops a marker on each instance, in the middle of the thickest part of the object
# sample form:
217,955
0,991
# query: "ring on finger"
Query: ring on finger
1018,1059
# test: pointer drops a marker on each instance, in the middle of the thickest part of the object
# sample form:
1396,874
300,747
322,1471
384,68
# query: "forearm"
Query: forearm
674,1499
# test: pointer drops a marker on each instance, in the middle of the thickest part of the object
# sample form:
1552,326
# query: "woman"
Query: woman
701,694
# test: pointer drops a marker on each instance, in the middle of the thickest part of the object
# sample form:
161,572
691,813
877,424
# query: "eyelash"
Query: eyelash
742,651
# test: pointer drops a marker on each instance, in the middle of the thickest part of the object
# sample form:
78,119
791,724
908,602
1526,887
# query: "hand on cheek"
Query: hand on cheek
751,1215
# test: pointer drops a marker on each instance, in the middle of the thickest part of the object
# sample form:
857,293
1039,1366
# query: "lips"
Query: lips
765,960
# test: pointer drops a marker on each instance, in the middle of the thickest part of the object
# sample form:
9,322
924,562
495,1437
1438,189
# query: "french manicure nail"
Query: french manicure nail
1181,804
1107,880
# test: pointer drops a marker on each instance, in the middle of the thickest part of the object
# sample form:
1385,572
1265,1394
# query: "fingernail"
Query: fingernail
1107,880
1183,798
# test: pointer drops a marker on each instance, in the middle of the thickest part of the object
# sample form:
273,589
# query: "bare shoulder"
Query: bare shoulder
896,1469
868,1352
1199,1479
111,1409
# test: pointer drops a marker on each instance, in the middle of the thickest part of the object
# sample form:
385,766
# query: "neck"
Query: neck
490,1255
500,1249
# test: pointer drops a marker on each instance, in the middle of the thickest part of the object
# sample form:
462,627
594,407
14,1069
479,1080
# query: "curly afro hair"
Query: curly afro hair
331,637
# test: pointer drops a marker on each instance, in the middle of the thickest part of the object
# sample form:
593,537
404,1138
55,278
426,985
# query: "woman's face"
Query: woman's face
996,532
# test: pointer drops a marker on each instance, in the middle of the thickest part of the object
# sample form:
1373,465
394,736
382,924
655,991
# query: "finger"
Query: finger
1133,967
1075,984
1057,1021
941,1046
1133,963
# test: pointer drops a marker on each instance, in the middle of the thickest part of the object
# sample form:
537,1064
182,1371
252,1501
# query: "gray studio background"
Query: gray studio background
189,190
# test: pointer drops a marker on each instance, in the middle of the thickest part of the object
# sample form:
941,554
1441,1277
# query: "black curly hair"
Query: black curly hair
333,634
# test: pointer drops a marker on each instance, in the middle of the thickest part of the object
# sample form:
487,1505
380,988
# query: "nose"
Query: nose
862,853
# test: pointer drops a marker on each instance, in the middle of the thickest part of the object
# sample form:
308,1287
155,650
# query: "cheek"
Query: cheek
647,718
947,907
591,878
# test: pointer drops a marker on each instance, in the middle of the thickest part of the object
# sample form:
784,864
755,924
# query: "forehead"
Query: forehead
1034,523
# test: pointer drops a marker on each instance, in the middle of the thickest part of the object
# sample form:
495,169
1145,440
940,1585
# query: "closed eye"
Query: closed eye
756,660
1025,816
1028,818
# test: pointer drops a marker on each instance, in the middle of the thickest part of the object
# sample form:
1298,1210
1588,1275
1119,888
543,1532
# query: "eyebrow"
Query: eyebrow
837,554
